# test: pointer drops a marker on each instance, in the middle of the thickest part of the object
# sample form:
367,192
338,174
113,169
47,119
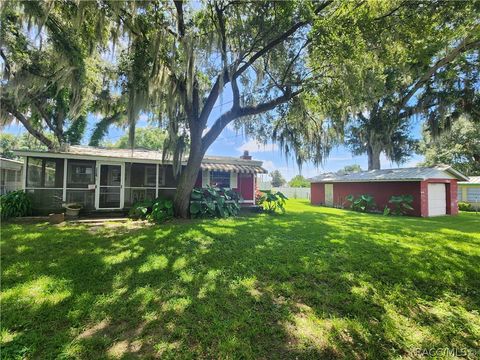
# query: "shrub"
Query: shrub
141,209
363,203
158,210
273,202
463,206
162,210
401,204
214,202
15,204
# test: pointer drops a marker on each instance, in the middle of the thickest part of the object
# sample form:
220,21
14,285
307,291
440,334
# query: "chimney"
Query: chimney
245,156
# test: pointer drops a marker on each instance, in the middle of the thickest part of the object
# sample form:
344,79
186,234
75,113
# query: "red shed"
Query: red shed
434,189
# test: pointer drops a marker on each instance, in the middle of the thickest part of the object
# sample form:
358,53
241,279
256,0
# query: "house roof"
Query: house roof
471,180
400,174
221,163
10,164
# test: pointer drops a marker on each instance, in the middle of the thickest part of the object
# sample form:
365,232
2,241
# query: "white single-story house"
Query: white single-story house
10,175
115,179
469,191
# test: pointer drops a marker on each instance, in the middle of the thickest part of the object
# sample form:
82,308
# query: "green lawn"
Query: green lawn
313,283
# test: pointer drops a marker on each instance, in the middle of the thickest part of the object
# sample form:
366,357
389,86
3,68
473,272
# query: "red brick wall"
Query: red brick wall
381,191
317,193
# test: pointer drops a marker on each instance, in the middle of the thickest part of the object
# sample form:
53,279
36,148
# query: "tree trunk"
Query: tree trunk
373,153
187,179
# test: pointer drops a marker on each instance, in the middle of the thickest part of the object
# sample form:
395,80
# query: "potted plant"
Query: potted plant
72,210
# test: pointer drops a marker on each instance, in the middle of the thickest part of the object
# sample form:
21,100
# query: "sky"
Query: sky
231,143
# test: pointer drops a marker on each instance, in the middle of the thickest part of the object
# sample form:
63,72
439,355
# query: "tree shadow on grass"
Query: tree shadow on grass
307,284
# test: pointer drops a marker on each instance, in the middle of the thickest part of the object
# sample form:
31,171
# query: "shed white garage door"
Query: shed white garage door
437,200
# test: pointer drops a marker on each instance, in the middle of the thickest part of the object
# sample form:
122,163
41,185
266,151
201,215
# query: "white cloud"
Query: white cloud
288,172
255,146
268,165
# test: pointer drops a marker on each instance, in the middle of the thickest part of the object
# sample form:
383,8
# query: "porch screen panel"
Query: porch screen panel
45,183
80,174
140,182
84,197
45,199
44,173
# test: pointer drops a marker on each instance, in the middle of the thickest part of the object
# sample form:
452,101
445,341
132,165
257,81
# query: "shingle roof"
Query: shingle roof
400,174
220,163
471,180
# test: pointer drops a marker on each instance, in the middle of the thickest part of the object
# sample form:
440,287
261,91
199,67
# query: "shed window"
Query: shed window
220,179
44,173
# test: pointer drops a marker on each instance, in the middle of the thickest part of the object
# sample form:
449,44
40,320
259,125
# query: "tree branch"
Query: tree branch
464,46
47,120
180,20
224,78
235,113
278,40
23,120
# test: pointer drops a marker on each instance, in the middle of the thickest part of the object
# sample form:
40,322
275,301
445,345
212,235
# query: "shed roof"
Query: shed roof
399,174
471,180
221,163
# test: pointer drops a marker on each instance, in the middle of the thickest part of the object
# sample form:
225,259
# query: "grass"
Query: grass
314,283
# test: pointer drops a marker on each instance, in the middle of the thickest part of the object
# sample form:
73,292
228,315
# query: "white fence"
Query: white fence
291,192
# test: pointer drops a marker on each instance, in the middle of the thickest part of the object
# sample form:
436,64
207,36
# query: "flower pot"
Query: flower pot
72,210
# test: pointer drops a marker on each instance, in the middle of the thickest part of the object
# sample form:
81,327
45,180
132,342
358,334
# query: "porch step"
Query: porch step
98,220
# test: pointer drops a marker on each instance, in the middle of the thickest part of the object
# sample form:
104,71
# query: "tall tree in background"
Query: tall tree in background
391,52
299,181
277,179
151,138
51,67
25,141
458,146
348,169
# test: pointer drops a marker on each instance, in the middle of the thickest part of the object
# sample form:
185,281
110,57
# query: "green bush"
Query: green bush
162,210
463,206
158,210
401,205
214,202
15,204
272,202
141,209
363,203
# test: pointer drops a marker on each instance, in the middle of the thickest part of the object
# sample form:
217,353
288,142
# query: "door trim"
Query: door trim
97,184
329,200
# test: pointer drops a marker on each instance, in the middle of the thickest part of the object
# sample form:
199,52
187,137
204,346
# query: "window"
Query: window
80,173
473,194
459,194
44,173
220,179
